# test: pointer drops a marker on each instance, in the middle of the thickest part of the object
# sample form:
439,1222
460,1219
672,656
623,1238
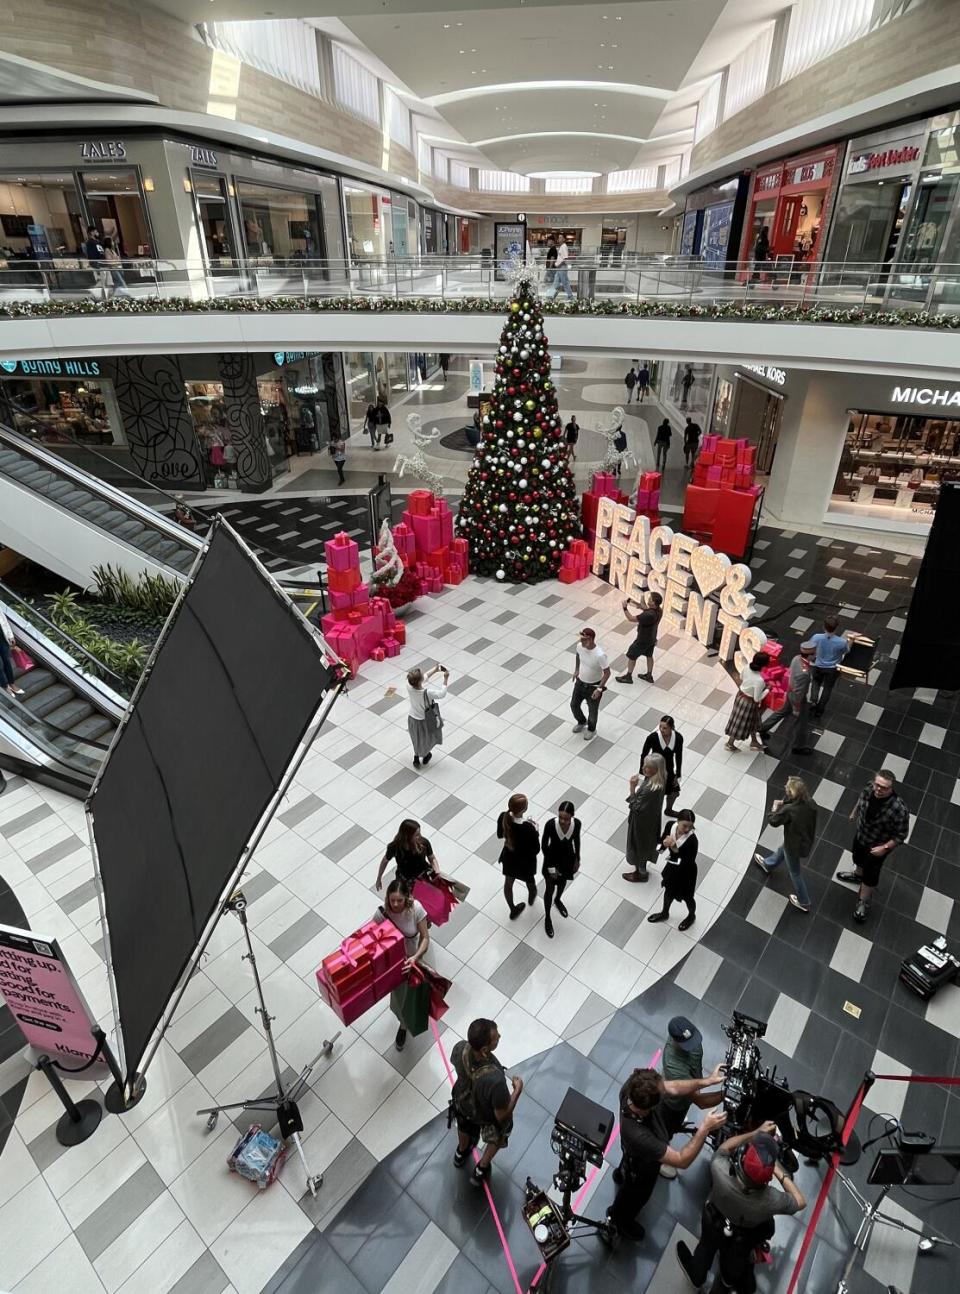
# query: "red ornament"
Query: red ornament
499,424
512,391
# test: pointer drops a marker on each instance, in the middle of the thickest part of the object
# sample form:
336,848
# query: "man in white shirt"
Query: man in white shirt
561,275
589,683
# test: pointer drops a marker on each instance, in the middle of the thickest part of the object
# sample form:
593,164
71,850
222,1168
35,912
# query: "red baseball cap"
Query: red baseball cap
759,1159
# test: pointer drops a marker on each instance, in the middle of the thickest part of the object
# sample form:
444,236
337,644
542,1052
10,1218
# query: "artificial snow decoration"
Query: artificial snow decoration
387,566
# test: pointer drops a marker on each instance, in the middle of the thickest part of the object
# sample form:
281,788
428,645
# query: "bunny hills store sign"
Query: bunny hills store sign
701,589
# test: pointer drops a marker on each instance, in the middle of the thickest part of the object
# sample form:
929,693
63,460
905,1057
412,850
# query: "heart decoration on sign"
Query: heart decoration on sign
710,569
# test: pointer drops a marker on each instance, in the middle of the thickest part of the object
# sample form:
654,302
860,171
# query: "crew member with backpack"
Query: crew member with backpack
481,1102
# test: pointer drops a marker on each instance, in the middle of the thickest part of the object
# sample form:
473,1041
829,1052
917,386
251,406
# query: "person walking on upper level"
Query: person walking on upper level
561,273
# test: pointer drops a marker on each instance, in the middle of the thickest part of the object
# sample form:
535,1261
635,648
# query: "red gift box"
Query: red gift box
341,552
707,457
390,648
350,967
420,502
350,1008
643,500
378,654
588,510
399,631
343,581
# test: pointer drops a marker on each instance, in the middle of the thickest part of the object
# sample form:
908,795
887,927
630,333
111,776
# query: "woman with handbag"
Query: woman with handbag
424,722
560,844
410,918
645,803
744,718
679,869
518,857
666,741
412,853
7,677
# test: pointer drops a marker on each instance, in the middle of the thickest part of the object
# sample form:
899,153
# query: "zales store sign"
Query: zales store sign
701,589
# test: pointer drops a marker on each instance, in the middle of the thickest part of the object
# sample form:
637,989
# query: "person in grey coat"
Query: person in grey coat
794,734
645,816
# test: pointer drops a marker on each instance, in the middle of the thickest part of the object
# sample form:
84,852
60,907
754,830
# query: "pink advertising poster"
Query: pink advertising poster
36,984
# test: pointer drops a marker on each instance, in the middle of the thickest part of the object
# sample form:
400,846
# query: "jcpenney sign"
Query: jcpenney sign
940,396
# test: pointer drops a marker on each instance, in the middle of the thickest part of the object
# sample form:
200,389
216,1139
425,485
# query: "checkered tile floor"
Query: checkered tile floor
147,1203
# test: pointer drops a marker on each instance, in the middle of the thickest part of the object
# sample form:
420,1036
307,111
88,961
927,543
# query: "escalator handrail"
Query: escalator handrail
18,406
45,724
116,498
9,596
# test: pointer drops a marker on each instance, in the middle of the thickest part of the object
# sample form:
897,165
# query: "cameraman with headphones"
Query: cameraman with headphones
739,1213
645,1132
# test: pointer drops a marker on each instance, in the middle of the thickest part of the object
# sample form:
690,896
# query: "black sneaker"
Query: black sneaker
460,1157
516,910
479,1175
427,758
401,1038
624,678
685,1259
416,761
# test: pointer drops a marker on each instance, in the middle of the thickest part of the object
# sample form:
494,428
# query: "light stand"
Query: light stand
871,1215
283,1101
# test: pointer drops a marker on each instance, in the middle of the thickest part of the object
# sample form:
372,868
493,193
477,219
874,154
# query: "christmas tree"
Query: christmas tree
519,509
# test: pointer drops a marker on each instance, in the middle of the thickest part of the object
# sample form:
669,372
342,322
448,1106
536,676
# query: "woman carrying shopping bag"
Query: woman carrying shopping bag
400,907
7,643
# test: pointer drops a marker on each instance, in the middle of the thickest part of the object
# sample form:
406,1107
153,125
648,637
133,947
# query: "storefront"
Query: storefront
792,201
748,404
67,405
713,222
369,219
895,458
53,190
687,386
880,173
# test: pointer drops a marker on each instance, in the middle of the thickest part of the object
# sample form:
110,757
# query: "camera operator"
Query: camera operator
739,1213
645,1132
683,1059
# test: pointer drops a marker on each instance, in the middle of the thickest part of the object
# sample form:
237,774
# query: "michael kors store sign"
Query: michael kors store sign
927,397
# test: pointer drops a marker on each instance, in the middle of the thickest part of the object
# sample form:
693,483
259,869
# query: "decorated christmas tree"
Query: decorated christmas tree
519,509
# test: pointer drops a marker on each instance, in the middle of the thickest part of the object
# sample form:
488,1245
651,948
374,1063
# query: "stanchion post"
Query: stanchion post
119,1097
81,1119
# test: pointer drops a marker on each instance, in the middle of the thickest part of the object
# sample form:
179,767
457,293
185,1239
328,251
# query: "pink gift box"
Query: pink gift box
643,499
341,552
714,473
603,482
654,499
382,941
352,1008
391,647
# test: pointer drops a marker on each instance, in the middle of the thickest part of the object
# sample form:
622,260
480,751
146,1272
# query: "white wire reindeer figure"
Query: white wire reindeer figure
415,462
615,459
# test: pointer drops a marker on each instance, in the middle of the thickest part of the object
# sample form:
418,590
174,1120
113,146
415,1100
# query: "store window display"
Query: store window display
893,465
686,386
58,414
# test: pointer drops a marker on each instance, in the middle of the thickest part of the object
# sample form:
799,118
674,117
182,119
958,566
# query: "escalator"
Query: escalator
59,730
69,521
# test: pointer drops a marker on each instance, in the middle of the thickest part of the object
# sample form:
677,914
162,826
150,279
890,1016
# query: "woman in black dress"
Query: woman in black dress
680,869
412,853
518,857
666,741
561,859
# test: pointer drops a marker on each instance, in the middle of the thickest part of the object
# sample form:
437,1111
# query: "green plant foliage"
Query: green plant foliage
152,595
123,659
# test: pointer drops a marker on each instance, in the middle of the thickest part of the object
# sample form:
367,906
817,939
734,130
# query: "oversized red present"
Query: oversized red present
775,699
399,631
707,457
344,581
714,473
390,648
726,451
420,502
383,942
352,1007
350,967
567,575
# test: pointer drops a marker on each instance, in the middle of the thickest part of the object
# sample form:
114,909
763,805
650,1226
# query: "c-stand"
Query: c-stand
283,1101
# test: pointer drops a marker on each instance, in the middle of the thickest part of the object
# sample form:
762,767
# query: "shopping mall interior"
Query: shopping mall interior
377,388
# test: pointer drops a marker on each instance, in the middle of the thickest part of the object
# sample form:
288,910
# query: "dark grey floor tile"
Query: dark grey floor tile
78,897
341,1179
294,937
461,916
396,782
516,662
198,1053
97,1232
622,922
499,705
441,813
710,803
302,809
350,758
314,1267
373,1233
345,844
516,969
257,885
463,1278
205,1276
62,849
26,820
547,726
516,774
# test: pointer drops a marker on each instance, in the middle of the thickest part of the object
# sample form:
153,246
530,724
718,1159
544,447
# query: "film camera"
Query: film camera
753,1094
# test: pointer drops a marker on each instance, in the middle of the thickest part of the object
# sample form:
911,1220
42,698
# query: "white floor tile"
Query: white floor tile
32,1226
68,1269
256,1243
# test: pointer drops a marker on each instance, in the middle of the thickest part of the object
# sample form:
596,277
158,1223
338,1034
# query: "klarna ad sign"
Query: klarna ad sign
701,589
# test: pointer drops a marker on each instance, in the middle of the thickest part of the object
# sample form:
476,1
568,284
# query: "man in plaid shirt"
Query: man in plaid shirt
883,821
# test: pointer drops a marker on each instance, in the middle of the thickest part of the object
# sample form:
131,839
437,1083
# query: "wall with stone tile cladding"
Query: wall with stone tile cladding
143,48
924,41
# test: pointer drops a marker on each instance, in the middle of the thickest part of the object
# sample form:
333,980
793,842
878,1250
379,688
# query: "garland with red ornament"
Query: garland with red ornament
519,509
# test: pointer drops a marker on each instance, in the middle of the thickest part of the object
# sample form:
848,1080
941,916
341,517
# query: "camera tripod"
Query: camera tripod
569,1178
283,1101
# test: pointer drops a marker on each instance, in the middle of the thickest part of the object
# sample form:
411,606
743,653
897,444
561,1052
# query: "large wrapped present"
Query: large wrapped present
341,552
349,968
383,941
348,1008
345,581
420,502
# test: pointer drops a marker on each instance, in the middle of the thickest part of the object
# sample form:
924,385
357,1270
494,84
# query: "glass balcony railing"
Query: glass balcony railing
673,280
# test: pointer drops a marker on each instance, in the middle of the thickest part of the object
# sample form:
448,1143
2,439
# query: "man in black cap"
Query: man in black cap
645,1139
683,1059
740,1210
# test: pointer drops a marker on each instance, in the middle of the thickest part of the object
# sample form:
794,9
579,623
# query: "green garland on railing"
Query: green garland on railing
740,310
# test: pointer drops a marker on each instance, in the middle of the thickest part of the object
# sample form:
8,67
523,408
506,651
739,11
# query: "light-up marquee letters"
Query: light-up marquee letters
700,588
